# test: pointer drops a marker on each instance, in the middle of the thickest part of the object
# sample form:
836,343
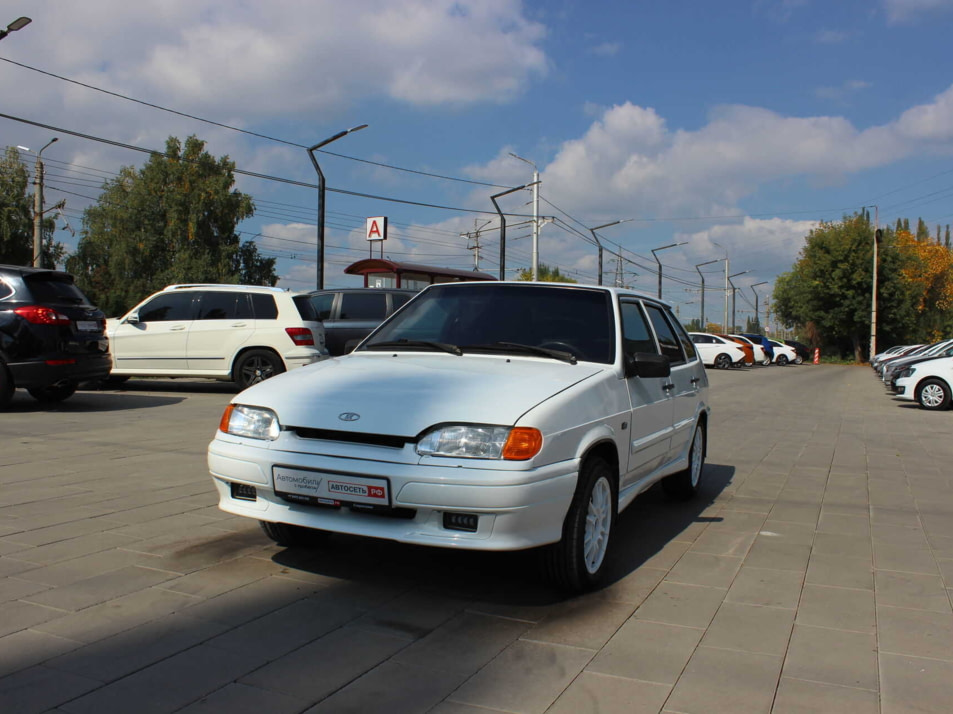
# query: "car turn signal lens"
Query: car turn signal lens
523,443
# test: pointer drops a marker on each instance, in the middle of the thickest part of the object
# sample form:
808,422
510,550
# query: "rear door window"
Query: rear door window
668,341
223,306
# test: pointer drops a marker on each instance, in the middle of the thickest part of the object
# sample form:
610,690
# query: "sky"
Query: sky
730,128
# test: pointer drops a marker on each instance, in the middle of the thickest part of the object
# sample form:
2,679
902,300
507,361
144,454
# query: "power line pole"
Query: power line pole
475,235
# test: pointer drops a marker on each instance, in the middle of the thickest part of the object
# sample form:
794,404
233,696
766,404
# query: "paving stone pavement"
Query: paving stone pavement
814,575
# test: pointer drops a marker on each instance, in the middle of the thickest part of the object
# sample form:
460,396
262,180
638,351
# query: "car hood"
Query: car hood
403,394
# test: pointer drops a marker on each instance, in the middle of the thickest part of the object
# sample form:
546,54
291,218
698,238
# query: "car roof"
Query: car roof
224,286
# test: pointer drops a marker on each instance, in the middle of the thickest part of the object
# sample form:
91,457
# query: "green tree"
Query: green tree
16,216
830,286
172,221
545,275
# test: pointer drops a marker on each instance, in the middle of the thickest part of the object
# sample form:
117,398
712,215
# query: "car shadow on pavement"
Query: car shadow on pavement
504,578
89,401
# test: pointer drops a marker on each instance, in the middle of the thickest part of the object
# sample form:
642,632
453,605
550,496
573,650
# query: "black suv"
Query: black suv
51,337
351,314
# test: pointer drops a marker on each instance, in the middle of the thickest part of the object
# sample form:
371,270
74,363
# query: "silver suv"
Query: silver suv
243,333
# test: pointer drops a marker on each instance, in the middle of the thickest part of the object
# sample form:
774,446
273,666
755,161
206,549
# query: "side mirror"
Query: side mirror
132,318
646,364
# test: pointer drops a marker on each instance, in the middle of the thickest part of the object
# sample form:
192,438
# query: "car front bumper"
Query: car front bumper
515,509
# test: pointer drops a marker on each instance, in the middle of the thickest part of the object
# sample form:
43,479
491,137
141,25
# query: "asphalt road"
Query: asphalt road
813,575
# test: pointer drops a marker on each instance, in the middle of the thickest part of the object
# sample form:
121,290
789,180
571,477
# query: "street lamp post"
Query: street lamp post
704,326
321,192
733,291
599,244
671,245
38,203
17,24
757,315
503,225
535,185
725,323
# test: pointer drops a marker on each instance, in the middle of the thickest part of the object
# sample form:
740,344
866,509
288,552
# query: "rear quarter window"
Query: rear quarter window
5,290
264,306
305,308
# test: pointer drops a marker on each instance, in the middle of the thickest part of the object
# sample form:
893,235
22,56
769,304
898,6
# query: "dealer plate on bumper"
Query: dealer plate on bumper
323,488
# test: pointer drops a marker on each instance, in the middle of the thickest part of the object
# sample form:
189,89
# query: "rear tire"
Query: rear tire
722,361
6,386
577,562
782,360
54,393
256,366
683,485
799,360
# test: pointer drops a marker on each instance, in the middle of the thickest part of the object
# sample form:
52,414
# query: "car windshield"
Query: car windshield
531,319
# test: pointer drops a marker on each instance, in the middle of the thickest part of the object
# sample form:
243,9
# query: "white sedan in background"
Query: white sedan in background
783,354
927,383
717,351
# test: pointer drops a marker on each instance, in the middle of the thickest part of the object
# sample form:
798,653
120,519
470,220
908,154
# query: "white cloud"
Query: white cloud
298,57
905,11
841,92
830,37
607,49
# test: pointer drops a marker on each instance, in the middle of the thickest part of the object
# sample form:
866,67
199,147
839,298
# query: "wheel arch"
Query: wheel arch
250,348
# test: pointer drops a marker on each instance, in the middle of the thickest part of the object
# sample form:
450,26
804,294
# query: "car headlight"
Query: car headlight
251,422
908,372
471,441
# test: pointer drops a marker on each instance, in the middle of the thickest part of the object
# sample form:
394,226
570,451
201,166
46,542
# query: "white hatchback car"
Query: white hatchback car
244,333
717,351
483,416
929,383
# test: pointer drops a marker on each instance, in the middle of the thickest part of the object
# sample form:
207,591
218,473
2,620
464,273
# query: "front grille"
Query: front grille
393,442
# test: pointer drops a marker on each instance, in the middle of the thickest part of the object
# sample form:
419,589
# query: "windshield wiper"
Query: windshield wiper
561,355
442,346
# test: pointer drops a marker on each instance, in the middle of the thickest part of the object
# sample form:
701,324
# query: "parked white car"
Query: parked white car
927,383
717,351
783,354
243,333
485,416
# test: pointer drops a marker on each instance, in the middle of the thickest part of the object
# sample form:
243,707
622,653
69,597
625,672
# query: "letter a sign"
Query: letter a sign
377,228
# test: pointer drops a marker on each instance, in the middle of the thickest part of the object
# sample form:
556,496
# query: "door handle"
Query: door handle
239,324
177,328
668,387
696,380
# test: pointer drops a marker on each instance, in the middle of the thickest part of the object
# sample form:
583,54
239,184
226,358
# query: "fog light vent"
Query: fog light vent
243,492
461,522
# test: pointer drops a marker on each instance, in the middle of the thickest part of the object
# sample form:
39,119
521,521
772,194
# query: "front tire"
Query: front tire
256,366
54,393
577,562
766,361
284,534
722,361
933,394
683,485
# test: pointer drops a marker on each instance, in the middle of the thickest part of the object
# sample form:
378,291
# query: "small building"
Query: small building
380,273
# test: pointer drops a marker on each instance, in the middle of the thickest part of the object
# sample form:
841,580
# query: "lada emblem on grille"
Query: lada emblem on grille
349,416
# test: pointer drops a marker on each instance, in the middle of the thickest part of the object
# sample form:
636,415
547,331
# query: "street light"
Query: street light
704,326
599,244
17,24
38,198
503,224
757,315
672,245
725,323
733,291
535,185
321,191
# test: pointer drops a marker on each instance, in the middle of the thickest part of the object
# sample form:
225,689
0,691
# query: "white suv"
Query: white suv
484,416
244,333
